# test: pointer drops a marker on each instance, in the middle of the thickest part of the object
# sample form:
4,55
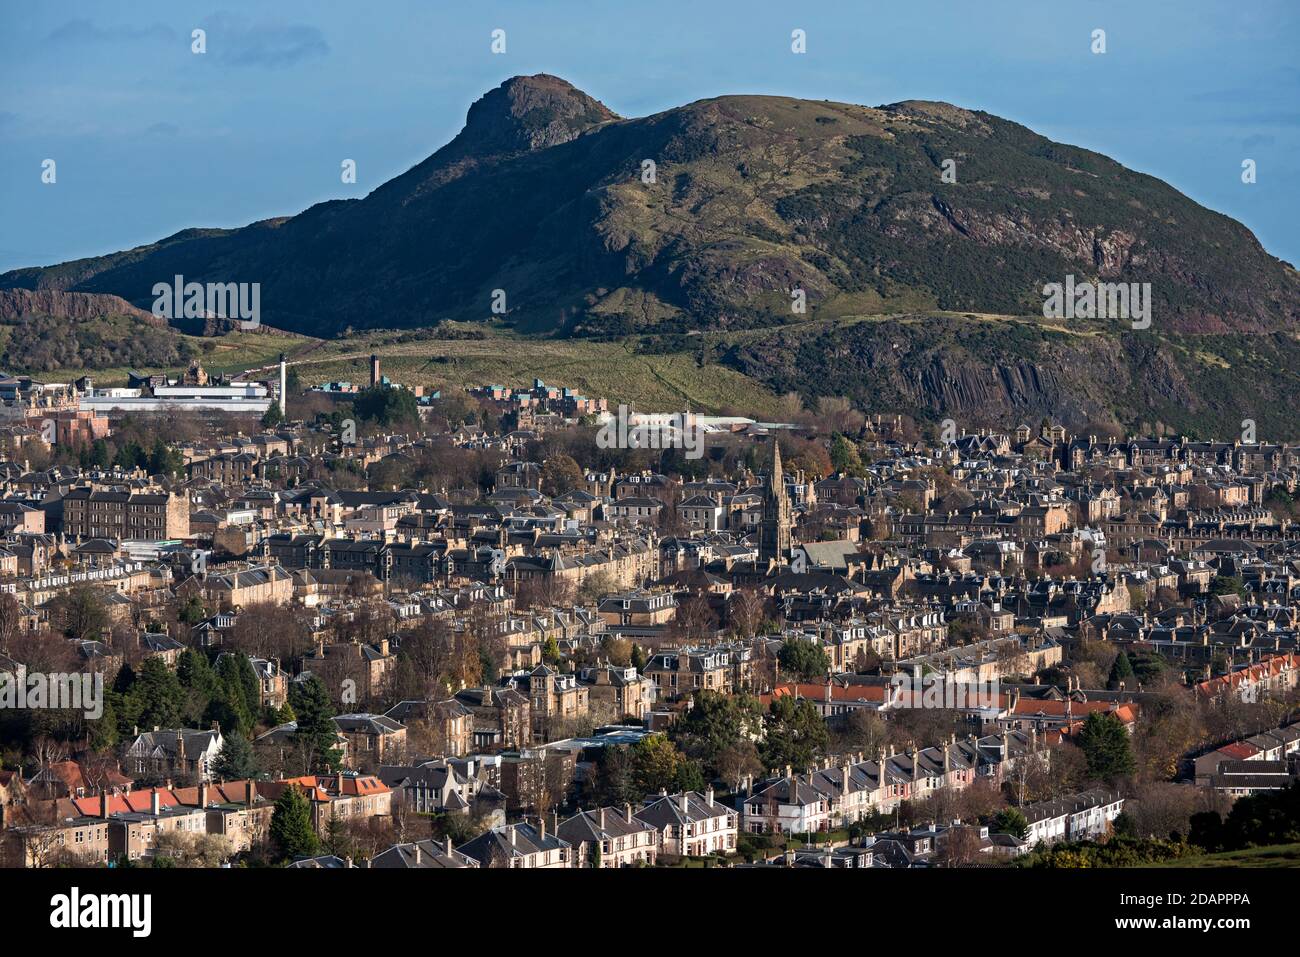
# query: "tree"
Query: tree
338,839
1121,672
178,849
1011,821
560,474
239,681
273,416
736,762
192,611
717,722
614,780
165,460
595,587
657,765
551,651
159,695
291,827
796,734
864,731
317,735
745,612
1106,744
959,847
80,613
1228,585
10,613
844,456
804,659
1259,820
236,761
386,406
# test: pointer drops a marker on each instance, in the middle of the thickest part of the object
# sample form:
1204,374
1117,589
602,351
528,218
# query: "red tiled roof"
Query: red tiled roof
137,802
1239,750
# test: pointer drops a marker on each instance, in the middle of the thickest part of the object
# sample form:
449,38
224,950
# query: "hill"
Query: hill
545,195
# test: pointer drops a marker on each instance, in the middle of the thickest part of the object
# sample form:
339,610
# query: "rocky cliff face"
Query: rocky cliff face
17,304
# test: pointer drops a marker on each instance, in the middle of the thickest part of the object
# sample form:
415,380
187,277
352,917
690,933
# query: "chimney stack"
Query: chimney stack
103,804
418,858
155,803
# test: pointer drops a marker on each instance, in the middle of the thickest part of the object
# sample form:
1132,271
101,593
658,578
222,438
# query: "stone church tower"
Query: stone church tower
774,534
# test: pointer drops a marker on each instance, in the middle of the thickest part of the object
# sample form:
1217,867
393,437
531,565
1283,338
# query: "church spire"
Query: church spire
774,531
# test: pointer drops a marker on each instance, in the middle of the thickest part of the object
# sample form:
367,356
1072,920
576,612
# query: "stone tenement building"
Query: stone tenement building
151,516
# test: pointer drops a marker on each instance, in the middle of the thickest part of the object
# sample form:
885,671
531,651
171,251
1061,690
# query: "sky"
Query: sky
148,137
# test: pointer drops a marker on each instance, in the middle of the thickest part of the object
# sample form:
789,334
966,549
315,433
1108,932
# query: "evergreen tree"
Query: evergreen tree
159,694
1121,670
235,762
317,734
194,673
102,733
716,722
227,711
291,827
240,680
804,659
99,457
130,456
796,734
1105,742
192,611
165,460
338,840
1011,821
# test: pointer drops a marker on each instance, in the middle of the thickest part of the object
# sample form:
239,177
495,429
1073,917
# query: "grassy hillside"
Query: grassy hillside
1282,855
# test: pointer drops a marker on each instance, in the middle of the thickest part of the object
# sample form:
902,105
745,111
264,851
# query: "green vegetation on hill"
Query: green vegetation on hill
50,344
923,295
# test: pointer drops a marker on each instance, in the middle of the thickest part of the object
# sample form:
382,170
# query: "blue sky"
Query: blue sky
150,138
